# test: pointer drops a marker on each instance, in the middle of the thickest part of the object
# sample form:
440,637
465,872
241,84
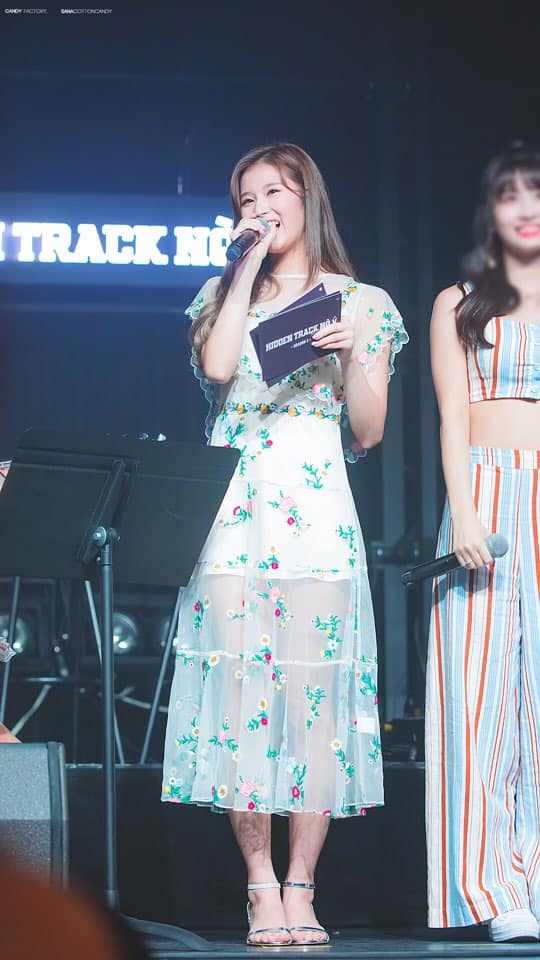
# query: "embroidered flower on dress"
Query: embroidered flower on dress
247,788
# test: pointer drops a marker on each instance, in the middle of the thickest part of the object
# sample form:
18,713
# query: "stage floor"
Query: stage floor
178,864
361,943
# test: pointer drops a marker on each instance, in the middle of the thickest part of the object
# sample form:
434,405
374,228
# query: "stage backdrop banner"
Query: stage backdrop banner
112,240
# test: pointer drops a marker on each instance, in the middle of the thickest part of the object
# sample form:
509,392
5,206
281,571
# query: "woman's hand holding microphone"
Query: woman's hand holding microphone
469,542
250,241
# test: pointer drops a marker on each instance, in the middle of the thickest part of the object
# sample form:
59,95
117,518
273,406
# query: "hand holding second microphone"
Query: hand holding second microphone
495,546
470,541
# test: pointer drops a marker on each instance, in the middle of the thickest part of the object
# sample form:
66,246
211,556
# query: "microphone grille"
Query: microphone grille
497,544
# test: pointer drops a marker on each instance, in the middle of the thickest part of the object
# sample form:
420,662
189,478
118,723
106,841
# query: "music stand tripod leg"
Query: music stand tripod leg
166,931
97,637
12,624
161,677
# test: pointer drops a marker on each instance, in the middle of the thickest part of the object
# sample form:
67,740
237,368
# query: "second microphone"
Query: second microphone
496,544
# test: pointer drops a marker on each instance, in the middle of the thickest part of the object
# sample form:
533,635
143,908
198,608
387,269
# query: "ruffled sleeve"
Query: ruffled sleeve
377,325
212,391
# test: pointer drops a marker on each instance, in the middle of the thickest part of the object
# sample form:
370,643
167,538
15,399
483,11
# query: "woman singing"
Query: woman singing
274,700
483,698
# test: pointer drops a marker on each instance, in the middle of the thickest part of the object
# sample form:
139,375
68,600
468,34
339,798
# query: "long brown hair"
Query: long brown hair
492,295
324,247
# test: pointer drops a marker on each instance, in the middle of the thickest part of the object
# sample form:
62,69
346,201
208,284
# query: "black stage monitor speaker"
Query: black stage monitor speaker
33,806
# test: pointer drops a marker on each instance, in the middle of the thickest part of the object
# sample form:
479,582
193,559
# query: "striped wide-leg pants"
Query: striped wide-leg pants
483,707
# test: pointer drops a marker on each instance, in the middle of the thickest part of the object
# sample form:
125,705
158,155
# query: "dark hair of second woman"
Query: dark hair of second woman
492,295
324,247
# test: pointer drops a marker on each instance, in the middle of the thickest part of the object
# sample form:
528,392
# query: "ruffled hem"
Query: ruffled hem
349,810
327,574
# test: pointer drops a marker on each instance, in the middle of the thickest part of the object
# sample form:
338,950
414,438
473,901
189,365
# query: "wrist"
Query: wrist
462,513
243,279
240,290
349,367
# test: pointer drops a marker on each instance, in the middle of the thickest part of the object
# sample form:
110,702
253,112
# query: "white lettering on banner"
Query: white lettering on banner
117,243
200,241
113,233
146,245
219,241
200,246
26,233
184,240
192,246
55,243
88,248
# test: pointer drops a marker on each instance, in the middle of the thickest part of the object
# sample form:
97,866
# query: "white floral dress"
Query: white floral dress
273,704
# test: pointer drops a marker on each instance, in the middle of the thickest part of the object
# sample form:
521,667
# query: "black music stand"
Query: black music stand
72,502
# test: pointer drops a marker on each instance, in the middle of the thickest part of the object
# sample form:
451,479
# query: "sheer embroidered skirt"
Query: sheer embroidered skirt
273,704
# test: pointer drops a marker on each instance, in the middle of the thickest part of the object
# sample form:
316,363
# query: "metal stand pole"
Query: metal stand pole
105,539
12,623
97,637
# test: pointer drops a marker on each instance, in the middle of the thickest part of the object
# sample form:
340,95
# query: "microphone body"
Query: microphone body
496,544
245,241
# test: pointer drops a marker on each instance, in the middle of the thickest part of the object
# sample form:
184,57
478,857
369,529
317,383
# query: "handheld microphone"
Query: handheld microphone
496,544
245,241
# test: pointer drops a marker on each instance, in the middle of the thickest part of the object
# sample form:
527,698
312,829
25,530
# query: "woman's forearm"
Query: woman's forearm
367,410
222,349
456,466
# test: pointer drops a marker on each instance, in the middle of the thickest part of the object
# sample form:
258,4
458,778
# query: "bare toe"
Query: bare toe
301,918
267,925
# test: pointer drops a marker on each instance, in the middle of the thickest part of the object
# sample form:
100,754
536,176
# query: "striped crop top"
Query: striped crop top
510,370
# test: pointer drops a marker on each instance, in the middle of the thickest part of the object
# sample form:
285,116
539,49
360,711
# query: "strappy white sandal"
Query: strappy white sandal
268,930
306,885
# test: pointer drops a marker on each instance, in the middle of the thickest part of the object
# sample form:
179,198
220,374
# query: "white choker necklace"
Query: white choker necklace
290,276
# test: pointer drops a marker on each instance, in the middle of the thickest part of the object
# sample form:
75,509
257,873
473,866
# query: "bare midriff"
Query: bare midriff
514,424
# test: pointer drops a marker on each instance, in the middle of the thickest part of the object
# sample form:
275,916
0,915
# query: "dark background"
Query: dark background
400,104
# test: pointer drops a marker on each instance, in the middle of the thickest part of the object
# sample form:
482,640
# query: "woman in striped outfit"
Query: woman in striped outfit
483,696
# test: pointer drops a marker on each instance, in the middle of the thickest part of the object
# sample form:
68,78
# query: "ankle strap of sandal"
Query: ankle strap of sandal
304,884
274,885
